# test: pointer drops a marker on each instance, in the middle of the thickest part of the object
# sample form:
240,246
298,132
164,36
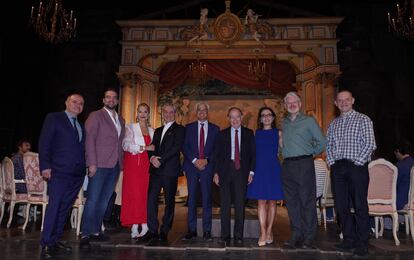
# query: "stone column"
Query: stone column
328,96
319,99
127,97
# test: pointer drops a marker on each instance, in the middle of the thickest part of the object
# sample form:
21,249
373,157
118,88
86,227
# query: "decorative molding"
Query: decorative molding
128,79
227,27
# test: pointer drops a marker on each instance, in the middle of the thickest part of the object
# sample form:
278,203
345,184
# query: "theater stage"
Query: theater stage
16,244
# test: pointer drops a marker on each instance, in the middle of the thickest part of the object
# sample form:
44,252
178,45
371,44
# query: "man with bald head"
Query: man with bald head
198,148
351,142
235,160
62,164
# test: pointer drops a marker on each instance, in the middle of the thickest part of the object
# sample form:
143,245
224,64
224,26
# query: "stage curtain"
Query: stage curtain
279,77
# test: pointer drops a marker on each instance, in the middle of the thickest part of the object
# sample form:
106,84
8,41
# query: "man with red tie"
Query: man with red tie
235,160
198,148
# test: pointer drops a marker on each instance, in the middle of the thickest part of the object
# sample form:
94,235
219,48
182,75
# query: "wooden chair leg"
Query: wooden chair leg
2,211
27,214
35,213
73,217
43,215
411,217
80,212
394,228
11,209
381,219
407,224
324,217
318,214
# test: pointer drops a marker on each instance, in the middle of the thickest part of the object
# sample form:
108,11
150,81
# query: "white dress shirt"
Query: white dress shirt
166,126
205,126
233,131
115,120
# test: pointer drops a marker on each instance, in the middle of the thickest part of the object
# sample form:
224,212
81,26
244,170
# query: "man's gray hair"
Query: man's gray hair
169,104
202,103
292,94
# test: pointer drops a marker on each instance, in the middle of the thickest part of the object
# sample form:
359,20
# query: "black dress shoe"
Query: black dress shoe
346,246
238,241
308,245
48,252
99,238
207,236
289,245
360,252
226,240
163,237
189,236
63,248
148,237
85,243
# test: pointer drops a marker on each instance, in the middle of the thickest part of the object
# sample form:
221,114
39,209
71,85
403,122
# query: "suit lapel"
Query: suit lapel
108,120
195,137
167,132
70,126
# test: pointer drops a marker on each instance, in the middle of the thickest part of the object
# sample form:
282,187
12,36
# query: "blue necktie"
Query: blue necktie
75,128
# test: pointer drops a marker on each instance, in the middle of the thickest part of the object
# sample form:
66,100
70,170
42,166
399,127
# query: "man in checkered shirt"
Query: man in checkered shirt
351,142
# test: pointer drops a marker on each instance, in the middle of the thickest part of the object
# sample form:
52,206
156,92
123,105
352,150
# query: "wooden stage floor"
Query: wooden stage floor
18,244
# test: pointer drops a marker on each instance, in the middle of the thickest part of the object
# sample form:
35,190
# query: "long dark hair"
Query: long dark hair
259,117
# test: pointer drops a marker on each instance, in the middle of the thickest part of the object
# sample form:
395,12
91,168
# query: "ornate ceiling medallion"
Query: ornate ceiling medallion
227,27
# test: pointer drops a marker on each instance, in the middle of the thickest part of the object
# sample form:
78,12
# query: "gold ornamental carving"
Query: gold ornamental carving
227,27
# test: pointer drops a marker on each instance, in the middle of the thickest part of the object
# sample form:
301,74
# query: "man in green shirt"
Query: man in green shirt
302,139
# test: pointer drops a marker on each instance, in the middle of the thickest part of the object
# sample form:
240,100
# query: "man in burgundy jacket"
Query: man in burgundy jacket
105,131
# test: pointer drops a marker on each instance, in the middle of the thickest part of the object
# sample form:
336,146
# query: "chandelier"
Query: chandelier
198,72
52,22
257,69
402,25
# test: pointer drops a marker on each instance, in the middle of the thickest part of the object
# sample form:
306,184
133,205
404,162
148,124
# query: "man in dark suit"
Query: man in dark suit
200,137
235,155
105,130
164,170
62,164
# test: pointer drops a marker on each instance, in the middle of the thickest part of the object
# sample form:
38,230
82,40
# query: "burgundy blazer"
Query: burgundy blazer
103,146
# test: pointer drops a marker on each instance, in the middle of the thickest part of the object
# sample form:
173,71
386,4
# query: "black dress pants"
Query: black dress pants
350,188
299,186
235,187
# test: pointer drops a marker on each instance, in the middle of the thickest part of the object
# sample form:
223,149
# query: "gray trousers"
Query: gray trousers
299,186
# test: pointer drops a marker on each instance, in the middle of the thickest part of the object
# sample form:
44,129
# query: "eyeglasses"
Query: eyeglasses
266,115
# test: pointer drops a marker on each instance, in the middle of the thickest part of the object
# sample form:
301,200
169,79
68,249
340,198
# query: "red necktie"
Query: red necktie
201,145
236,151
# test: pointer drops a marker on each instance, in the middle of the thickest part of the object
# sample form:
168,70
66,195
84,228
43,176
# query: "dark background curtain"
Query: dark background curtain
279,74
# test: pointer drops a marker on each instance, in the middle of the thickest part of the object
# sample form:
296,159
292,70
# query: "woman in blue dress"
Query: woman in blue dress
266,186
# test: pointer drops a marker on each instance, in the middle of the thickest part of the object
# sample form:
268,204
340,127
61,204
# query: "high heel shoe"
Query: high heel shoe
270,240
261,243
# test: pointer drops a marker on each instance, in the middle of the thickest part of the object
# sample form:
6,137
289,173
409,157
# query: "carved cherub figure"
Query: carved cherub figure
251,23
201,33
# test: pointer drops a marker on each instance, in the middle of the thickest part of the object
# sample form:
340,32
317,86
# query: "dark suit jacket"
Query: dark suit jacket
168,150
190,147
223,153
59,148
103,145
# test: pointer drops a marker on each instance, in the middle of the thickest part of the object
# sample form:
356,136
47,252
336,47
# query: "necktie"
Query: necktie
75,128
236,150
201,145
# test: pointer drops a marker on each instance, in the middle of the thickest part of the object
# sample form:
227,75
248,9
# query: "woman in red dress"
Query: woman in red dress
136,143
